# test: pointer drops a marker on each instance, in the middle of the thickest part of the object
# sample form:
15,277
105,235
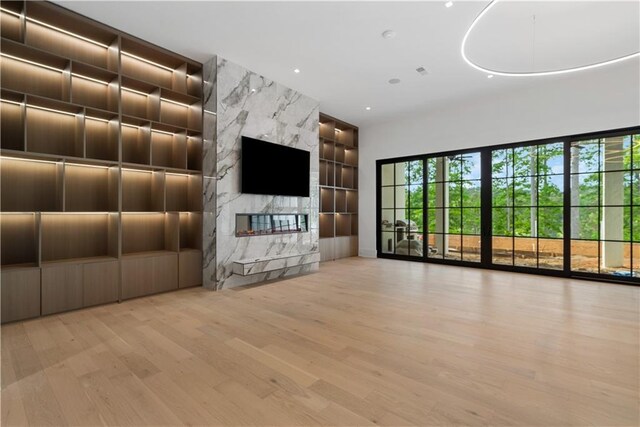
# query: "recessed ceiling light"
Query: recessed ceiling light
448,4
253,90
368,108
394,81
296,71
490,76
388,34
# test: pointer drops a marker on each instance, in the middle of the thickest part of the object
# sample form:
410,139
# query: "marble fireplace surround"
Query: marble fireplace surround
239,102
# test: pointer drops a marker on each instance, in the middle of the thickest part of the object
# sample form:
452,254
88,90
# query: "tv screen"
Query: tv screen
274,169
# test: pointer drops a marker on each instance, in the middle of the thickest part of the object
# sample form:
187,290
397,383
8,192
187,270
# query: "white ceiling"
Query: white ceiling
345,63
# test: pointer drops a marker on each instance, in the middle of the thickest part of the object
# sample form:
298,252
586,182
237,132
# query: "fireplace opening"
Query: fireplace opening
269,224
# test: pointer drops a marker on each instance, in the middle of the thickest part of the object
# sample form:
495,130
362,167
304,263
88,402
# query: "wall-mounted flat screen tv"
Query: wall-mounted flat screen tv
274,169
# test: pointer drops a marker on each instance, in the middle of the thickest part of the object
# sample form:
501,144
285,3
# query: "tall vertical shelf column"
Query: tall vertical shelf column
101,164
338,189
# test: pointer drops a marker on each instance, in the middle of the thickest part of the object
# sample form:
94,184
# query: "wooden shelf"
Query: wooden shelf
150,232
338,188
190,231
12,112
89,188
11,21
34,72
20,233
101,51
143,191
94,87
70,236
42,179
100,167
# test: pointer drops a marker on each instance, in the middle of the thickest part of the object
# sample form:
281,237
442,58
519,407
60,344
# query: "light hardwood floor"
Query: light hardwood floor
361,342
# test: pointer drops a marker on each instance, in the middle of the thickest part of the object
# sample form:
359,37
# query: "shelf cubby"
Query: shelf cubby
12,21
352,201
331,174
326,150
180,110
12,112
150,232
343,225
101,135
168,147
79,236
19,232
327,225
34,72
94,87
58,31
345,136
327,129
341,201
347,177
326,200
89,188
184,192
354,225
142,190
43,179
339,153
194,152
338,176
194,81
54,128
351,156
142,62
323,172
190,230
136,141
140,99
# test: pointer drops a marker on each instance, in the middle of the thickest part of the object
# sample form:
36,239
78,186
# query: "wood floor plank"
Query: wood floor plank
361,342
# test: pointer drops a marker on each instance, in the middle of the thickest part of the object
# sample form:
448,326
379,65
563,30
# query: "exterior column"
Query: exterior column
613,216
442,201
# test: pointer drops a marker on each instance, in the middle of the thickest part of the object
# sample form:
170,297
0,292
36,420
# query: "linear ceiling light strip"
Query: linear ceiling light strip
533,73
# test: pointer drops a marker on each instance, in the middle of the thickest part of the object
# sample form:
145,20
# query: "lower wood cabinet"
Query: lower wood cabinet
190,268
20,293
100,282
61,287
149,273
68,286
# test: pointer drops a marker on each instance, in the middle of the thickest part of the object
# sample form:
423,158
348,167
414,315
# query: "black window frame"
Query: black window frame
487,202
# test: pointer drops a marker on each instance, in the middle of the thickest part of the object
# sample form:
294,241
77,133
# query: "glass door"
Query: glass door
402,209
605,206
527,185
454,207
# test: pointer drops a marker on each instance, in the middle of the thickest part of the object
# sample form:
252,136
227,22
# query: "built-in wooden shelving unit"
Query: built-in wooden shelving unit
338,189
101,159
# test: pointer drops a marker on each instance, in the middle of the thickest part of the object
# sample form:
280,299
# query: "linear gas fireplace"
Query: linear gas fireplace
269,224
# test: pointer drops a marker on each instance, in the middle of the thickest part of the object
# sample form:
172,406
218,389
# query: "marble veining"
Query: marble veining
247,104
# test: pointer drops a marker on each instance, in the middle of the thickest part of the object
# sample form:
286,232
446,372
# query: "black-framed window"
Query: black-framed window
567,206
605,205
527,206
401,227
454,207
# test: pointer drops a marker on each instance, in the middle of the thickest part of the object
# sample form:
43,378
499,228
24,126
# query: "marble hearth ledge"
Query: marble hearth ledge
247,267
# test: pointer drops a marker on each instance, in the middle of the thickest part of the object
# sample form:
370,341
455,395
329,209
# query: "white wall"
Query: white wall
589,101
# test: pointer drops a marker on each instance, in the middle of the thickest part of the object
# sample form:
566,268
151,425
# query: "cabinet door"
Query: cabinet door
137,277
20,294
61,288
165,272
190,268
100,280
